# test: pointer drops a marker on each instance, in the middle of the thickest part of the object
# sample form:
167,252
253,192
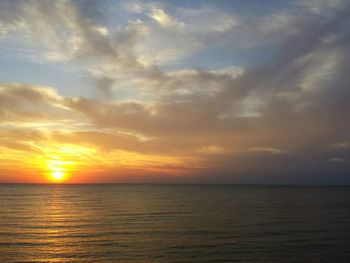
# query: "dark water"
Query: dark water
178,223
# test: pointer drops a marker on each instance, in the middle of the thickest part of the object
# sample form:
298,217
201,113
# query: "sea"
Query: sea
174,223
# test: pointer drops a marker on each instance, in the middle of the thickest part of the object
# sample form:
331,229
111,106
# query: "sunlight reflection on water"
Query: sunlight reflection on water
150,223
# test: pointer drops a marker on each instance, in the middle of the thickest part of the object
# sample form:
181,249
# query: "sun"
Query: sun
58,170
57,175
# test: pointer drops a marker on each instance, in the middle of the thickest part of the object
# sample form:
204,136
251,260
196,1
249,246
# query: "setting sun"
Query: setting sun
57,176
58,170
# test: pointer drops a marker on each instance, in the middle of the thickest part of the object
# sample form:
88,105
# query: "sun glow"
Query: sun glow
57,175
57,163
59,170
62,162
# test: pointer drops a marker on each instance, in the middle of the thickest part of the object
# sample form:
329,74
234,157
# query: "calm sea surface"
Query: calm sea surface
174,223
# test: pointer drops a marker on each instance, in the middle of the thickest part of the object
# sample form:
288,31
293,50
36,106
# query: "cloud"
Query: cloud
286,113
340,145
338,160
27,102
268,150
164,19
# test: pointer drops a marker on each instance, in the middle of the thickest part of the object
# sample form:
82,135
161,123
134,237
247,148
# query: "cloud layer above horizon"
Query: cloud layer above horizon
154,91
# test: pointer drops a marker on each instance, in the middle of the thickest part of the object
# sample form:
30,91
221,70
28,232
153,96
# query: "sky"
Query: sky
246,92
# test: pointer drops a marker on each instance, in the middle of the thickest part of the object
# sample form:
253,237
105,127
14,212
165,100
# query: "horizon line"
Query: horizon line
208,184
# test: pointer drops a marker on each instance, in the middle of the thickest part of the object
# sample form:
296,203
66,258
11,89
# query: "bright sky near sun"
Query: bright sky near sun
175,91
